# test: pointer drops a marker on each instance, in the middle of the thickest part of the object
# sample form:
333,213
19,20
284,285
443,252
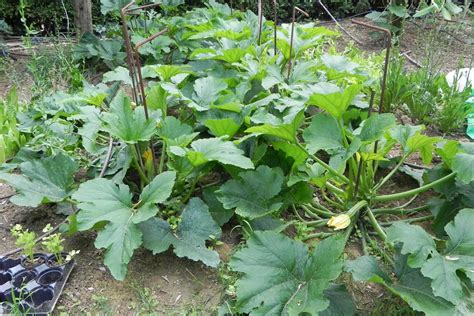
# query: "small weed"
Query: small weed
302,230
148,303
102,304
15,306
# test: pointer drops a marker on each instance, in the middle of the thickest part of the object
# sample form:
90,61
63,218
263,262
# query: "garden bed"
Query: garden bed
168,284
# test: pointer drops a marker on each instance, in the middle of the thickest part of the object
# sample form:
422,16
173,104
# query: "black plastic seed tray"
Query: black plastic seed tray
32,290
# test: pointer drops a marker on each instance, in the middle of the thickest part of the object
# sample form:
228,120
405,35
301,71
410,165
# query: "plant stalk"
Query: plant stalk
411,220
321,207
141,174
376,225
313,211
331,187
162,158
317,235
325,165
191,190
399,211
298,214
401,195
390,174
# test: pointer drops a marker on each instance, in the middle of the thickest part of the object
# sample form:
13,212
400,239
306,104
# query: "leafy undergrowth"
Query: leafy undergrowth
290,140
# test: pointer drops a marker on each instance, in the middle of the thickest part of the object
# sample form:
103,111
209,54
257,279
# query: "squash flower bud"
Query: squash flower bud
339,222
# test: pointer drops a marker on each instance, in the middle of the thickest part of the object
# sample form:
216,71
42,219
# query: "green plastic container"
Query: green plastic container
470,116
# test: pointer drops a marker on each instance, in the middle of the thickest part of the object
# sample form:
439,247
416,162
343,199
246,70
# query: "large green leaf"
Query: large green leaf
281,277
217,210
338,65
340,301
156,98
445,282
411,286
254,194
42,181
173,73
401,133
102,200
285,131
298,155
415,289
226,127
426,10
398,10
375,126
422,143
129,125
463,165
461,234
107,6
419,141
206,91
323,133
333,99
232,55
175,133
442,267
366,268
447,150
416,242
118,74
458,256
214,149
189,240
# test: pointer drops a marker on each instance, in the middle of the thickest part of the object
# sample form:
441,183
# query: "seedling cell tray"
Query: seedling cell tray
31,290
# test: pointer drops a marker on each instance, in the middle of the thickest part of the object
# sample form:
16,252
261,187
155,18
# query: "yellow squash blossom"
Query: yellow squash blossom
148,156
339,222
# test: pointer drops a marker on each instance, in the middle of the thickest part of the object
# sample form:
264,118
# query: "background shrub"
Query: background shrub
48,16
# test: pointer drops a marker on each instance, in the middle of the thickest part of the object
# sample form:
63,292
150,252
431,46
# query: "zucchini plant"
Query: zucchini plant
234,135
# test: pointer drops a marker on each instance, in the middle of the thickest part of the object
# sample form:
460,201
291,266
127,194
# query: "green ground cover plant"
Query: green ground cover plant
426,97
232,134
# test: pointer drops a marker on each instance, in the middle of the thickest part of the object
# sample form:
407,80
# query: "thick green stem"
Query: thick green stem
191,190
353,212
162,158
325,165
331,187
318,223
337,198
390,174
363,234
399,211
411,220
333,203
357,207
376,225
299,216
320,207
135,161
317,235
348,232
402,195
352,162
314,212
139,158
